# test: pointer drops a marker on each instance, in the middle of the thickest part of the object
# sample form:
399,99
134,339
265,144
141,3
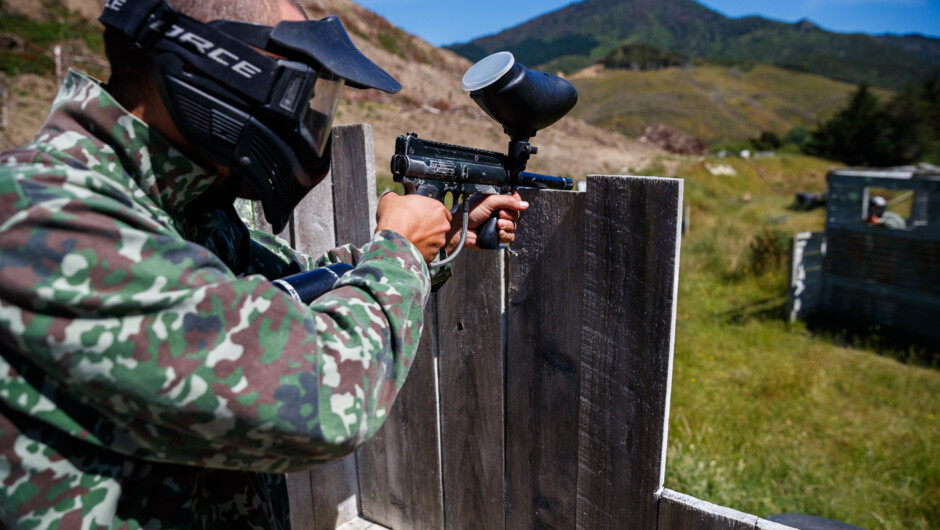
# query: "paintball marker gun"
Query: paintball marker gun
523,101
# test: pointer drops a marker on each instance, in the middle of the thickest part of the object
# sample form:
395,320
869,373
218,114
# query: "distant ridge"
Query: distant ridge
583,33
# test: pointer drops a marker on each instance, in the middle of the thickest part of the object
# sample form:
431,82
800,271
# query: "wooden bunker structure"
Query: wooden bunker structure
869,274
540,394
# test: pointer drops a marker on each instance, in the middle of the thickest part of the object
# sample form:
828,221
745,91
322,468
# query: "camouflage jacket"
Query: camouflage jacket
151,376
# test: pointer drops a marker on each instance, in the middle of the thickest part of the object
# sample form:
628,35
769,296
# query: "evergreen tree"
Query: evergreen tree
856,135
866,132
910,134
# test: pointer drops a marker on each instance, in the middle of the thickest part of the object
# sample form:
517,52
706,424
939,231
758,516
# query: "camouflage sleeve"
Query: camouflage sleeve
348,254
169,357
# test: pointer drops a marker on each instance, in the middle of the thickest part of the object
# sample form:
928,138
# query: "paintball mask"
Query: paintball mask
267,119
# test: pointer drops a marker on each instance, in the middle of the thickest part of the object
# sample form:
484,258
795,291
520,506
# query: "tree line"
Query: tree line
904,129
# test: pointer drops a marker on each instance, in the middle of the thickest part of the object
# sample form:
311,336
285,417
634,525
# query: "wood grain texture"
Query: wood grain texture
631,261
470,334
335,493
353,169
361,524
678,511
300,494
300,499
312,225
543,366
399,468
335,486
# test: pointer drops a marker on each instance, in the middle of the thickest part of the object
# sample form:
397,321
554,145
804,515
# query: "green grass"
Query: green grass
39,36
712,102
768,417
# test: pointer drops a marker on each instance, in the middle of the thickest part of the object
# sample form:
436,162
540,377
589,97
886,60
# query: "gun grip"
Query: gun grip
488,234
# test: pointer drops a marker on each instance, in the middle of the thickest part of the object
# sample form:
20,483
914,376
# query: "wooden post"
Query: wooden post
543,364
470,327
328,496
57,53
354,197
399,468
631,281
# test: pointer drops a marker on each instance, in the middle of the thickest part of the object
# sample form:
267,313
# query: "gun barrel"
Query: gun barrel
542,182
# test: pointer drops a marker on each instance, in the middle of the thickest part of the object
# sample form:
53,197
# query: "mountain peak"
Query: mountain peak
805,24
577,35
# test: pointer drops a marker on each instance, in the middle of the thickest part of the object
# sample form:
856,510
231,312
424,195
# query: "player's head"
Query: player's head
877,206
249,84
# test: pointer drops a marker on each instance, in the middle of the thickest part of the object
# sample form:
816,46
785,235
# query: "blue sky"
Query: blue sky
448,21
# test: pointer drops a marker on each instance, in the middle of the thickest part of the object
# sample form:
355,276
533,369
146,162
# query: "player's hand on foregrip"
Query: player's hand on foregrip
422,220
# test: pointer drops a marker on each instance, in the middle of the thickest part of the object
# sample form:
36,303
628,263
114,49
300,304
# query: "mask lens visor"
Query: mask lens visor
319,119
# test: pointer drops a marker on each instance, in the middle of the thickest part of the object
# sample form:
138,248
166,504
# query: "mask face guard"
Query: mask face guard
267,119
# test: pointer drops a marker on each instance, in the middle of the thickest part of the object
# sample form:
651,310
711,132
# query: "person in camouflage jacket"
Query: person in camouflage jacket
151,375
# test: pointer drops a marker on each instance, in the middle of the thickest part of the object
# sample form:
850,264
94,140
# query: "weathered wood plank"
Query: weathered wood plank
399,469
361,524
299,497
631,273
470,324
806,277
688,513
312,224
353,169
300,493
546,280
335,488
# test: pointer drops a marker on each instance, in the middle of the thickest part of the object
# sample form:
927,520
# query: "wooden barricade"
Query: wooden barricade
807,250
540,394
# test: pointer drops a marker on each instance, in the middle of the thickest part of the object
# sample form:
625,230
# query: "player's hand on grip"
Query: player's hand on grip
481,208
422,220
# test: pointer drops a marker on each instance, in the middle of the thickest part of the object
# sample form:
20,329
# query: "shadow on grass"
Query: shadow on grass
899,345
763,310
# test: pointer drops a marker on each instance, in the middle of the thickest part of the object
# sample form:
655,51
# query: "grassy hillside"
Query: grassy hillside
714,103
769,418
583,32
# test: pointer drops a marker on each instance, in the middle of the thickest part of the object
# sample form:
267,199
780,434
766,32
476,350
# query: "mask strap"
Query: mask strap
154,25
134,18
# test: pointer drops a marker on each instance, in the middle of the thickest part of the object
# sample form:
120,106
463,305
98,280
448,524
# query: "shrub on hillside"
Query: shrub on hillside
769,250
639,57
767,141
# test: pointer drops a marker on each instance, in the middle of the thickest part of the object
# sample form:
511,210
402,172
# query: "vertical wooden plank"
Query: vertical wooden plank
312,224
354,176
399,468
470,333
300,499
299,488
631,274
334,487
333,215
335,494
543,362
